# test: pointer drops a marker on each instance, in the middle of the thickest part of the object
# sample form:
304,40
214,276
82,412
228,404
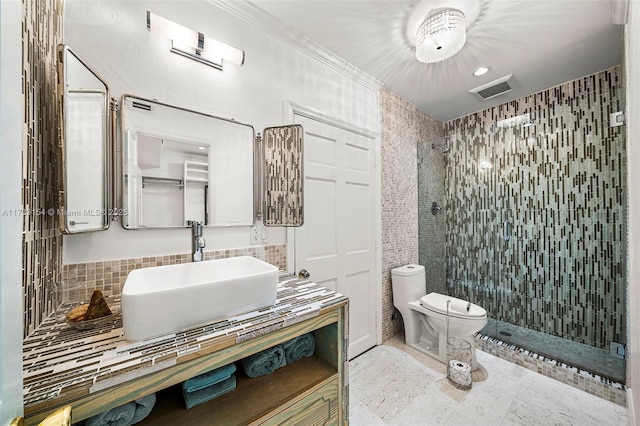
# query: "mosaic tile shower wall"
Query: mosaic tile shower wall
41,239
431,218
403,127
556,189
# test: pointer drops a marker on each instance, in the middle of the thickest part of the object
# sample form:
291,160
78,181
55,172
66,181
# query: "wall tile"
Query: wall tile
109,276
404,127
561,184
41,238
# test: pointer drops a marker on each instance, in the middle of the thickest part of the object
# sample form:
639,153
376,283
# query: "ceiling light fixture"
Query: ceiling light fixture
194,45
480,71
440,36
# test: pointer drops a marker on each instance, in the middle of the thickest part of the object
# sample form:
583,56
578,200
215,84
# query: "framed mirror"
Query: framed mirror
84,146
180,165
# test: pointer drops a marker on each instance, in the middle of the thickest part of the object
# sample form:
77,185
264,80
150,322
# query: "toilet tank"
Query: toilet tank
409,283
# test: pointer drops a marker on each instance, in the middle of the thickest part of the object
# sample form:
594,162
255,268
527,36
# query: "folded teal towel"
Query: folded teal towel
191,399
298,347
209,378
124,415
144,406
118,416
264,362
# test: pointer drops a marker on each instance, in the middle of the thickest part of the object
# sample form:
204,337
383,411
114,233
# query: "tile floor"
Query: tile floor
393,384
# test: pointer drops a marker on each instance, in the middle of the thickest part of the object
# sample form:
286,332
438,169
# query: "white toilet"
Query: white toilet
425,315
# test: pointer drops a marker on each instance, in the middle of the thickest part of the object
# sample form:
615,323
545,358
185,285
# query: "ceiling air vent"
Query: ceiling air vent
493,88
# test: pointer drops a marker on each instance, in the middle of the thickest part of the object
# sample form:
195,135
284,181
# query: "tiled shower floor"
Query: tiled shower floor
595,360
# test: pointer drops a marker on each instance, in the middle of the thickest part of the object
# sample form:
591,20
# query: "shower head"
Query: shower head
446,147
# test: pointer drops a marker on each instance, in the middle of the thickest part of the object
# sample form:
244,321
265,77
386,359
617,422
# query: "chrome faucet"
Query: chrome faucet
197,240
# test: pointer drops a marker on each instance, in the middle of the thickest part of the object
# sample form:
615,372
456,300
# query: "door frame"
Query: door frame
291,109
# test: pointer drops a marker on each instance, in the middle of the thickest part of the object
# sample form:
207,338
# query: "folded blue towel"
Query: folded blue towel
144,406
191,399
264,362
298,347
118,416
209,378
124,415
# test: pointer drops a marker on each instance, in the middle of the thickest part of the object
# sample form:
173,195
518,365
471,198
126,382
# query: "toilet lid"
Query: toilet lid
437,302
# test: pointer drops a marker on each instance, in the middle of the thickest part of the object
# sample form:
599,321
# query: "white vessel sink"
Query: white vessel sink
166,299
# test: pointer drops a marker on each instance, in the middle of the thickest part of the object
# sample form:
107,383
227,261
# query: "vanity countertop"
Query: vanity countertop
62,365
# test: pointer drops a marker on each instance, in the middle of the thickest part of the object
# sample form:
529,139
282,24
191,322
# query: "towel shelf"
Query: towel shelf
304,381
307,391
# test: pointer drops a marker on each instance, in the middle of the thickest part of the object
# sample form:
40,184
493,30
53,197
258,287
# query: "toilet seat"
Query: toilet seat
437,303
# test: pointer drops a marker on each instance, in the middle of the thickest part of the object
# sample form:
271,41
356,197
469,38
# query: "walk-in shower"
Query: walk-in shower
532,225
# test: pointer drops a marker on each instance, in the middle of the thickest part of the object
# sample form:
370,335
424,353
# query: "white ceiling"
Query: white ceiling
541,42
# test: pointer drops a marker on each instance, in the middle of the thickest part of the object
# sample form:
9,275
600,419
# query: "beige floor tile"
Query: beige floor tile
393,384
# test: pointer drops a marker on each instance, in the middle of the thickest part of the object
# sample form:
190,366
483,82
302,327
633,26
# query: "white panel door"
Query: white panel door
336,244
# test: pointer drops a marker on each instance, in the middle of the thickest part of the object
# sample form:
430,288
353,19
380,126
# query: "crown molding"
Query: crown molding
252,14
619,11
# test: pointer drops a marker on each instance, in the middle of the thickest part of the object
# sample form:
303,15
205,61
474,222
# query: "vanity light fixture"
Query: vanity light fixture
480,71
193,44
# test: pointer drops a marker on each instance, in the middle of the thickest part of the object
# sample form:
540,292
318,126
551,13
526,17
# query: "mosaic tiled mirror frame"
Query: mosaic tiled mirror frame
283,175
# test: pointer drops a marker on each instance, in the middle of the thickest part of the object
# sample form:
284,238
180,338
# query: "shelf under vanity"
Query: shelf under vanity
96,370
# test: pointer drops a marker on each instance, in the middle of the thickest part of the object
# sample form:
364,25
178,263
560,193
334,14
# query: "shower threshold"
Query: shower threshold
578,355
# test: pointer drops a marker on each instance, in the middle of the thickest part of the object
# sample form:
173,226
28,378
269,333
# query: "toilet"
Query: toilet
425,315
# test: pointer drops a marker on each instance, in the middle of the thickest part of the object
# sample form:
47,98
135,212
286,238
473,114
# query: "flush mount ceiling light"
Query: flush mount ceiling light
194,45
440,36
437,23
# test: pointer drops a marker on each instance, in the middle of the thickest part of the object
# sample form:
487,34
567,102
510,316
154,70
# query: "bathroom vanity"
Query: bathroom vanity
97,370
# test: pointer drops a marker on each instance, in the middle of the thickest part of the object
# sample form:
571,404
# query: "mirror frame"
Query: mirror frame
63,179
282,200
120,170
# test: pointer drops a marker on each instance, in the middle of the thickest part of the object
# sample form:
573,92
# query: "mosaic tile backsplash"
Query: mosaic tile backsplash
109,275
556,189
41,238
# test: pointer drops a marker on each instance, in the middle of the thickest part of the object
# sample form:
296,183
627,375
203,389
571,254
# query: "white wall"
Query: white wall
111,37
11,120
632,65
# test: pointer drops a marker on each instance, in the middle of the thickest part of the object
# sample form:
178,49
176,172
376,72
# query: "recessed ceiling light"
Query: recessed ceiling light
480,71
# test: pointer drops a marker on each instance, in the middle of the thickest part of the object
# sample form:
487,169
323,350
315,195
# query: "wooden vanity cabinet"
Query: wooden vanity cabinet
309,391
